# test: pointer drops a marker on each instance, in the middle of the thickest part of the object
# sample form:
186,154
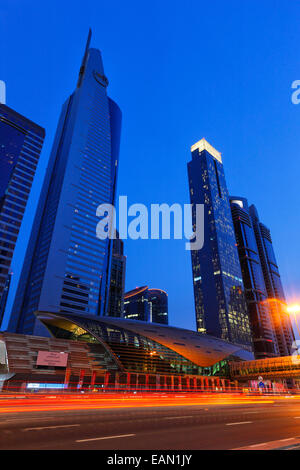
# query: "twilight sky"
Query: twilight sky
179,71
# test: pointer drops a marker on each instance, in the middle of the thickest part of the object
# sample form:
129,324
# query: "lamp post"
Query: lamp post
293,310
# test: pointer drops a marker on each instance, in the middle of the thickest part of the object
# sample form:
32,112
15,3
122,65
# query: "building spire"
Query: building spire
83,64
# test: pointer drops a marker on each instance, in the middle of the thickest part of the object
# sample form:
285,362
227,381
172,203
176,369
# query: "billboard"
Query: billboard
44,386
51,358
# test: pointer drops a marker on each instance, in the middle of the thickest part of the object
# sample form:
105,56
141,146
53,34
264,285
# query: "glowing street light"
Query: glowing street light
294,309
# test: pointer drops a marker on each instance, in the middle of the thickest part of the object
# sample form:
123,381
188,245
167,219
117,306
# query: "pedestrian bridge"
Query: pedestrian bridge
271,368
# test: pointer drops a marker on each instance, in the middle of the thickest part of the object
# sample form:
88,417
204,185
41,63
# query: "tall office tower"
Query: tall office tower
158,300
21,142
67,268
117,279
220,303
4,296
282,323
144,304
136,305
263,333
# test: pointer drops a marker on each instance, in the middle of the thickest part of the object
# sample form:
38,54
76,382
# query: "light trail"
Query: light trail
87,402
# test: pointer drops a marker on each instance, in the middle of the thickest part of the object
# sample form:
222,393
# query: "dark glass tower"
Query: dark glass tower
263,334
136,305
117,279
21,142
220,303
276,298
144,304
67,268
159,306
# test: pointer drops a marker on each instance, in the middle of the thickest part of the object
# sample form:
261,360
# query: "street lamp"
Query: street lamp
294,310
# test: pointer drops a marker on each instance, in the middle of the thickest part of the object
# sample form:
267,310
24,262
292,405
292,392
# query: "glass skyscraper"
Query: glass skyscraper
220,303
276,298
21,142
144,304
263,333
117,279
158,299
67,269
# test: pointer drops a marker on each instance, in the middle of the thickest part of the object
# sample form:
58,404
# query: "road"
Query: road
217,425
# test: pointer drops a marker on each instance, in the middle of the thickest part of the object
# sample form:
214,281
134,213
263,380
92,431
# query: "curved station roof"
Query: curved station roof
129,341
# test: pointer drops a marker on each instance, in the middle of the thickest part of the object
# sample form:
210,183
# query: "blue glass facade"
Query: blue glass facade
220,303
159,306
67,269
21,142
263,333
136,305
276,298
144,304
117,279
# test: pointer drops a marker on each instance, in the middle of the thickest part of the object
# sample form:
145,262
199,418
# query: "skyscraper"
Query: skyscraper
144,304
220,303
67,269
276,298
158,300
117,279
263,333
21,142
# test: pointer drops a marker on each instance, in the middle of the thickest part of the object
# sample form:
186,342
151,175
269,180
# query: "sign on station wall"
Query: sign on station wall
51,358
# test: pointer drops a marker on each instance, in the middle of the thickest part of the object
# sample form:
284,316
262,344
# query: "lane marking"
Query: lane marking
106,437
51,427
271,445
177,417
235,424
15,420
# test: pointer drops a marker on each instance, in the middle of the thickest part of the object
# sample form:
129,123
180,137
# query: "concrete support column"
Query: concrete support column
206,384
67,377
157,381
188,386
179,383
106,380
117,381
172,382
128,380
81,378
202,383
93,379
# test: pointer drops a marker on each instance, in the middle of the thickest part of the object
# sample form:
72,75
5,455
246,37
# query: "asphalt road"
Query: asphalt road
252,426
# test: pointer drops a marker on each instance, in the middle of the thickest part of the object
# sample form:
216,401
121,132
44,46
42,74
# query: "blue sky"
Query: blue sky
180,71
